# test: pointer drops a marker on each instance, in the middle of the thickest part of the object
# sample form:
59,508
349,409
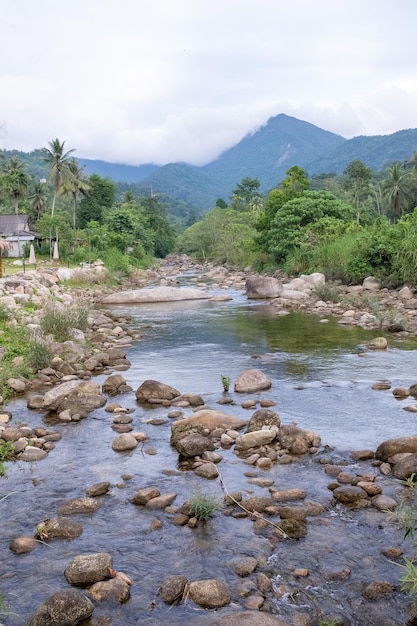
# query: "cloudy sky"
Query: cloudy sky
140,81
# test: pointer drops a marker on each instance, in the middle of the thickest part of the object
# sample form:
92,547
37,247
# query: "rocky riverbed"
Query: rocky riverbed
318,545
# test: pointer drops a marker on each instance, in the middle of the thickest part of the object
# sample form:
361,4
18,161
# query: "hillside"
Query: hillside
266,154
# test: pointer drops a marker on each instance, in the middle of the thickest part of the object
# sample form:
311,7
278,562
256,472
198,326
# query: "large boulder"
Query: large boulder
154,391
258,287
155,294
251,381
389,447
64,608
80,397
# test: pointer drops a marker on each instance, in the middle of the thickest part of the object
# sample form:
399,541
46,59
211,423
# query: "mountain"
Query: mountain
265,154
268,153
118,172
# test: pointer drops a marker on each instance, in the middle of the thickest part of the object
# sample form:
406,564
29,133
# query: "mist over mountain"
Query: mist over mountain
266,154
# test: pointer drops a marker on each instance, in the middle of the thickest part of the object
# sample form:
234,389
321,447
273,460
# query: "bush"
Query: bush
38,355
58,321
329,292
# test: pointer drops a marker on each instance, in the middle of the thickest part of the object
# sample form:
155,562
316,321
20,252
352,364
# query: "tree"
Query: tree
15,181
38,198
295,183
246,194
99,197
164,233
58,167
75,185
296,180
357,181
293,223
396,189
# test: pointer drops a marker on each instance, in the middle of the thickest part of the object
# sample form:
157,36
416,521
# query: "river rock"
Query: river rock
255,439
143,495
405,467
210,594
251,381
349,494
152,390
115,589
85,569
377,589
172,588
206,470
297,440
244,567
80,397
124,442
379,343
31,453
58,528
258,287
22,545
114,384
193,445
64,608
98,489
388,448
209,419
77,506
263,418
156,294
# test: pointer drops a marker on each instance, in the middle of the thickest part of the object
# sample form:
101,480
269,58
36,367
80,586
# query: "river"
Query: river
321,374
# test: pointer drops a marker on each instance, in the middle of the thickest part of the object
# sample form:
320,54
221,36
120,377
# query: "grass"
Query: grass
58,321
203,506
6,450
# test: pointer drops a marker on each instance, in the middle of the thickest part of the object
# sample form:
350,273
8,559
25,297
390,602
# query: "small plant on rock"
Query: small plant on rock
225,382
203,506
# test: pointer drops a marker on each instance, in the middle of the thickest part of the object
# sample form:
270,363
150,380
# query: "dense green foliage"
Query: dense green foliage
349,225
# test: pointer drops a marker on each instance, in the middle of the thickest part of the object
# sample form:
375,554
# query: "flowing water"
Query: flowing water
321,376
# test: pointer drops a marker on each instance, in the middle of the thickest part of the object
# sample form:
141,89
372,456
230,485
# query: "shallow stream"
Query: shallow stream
321,376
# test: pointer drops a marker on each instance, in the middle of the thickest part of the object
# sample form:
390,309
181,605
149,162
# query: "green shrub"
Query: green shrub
203,506
38,355
56,320
328,292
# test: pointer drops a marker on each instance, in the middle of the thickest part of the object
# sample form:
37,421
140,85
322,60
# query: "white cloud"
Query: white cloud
154,80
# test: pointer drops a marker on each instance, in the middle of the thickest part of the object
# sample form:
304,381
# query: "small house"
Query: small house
16,230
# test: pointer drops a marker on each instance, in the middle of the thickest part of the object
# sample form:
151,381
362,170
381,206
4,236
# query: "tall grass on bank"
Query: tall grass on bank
58,320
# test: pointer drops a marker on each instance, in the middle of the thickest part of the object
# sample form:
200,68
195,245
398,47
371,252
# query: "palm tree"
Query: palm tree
58,168
396,189
16,181
39,198
75,185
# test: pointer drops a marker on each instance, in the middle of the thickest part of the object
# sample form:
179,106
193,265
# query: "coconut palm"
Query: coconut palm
58,168
38,198
16,181
396,189
75,185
